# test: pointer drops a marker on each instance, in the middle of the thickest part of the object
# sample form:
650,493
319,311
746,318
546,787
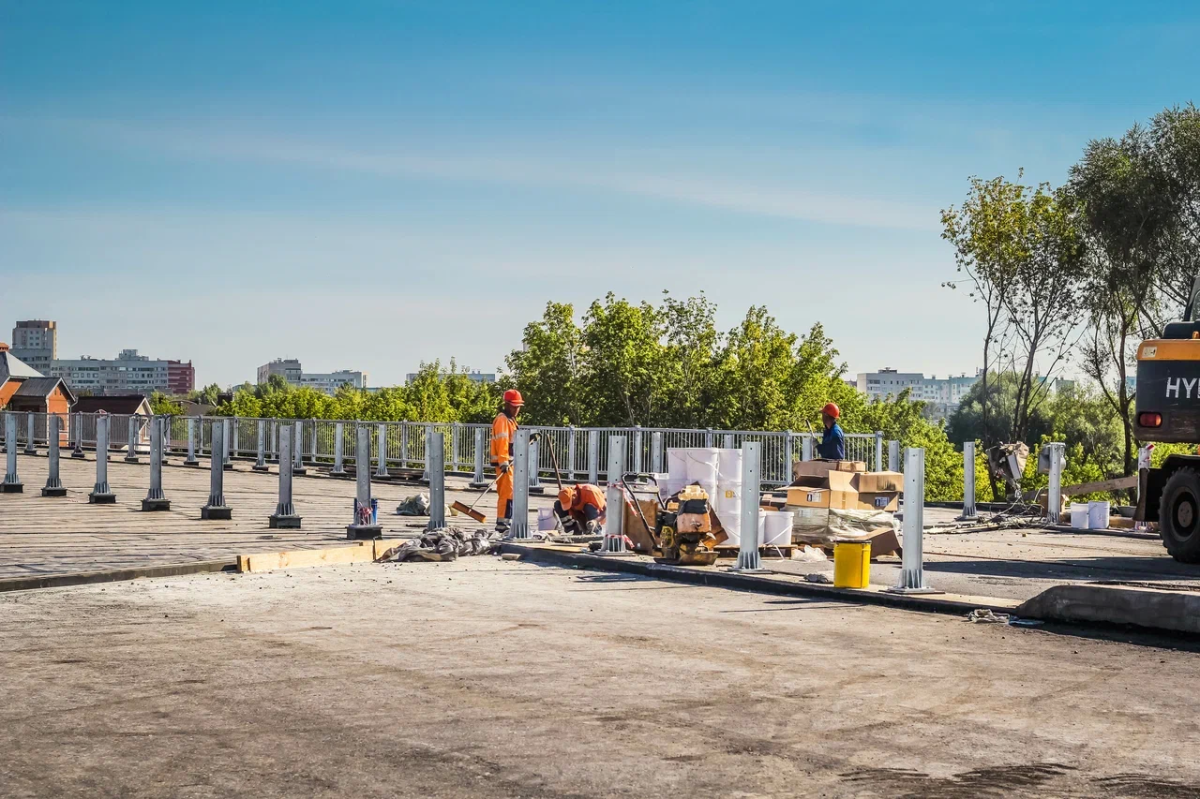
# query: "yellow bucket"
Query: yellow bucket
851,565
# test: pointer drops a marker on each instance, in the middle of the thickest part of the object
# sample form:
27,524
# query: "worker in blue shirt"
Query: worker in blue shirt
833,442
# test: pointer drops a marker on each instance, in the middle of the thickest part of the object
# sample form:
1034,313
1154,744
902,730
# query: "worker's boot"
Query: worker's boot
502,526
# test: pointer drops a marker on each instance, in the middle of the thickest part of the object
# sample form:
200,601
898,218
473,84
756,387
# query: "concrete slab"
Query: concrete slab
1153,609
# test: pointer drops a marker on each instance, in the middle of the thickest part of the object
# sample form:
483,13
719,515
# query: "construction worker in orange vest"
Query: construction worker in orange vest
504,429
581,509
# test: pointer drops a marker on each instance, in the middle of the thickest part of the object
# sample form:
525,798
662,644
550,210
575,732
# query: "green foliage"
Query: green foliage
163,405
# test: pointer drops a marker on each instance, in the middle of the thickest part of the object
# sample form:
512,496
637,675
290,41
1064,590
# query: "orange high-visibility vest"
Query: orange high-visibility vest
588,494
503,430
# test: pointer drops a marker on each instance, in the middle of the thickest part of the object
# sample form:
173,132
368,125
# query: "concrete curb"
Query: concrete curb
946,603
114,575
1149,608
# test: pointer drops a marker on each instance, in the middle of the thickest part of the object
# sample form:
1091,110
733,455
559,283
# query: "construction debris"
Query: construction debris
986,616
448,544
416,505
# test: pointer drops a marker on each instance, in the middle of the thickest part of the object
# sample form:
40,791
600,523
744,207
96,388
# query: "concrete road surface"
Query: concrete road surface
492,678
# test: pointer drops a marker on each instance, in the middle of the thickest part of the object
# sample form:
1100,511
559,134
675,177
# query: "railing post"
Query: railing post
893,456
788,456
191,445
477,480
1054,493
748,559
215,508
313,454
260,462
155,498
165,445
131,432
30,433
77,430
656,452
339,452
298,444
594,457
236,452
727,441
968,481
381,470
519,528
535,483
12,483
425,456
708,438
879,450
364,525
806,448
454,439
273,454
226,427
569,472
637,449
285,517
101,493
437,482
404,445
614,534
912,569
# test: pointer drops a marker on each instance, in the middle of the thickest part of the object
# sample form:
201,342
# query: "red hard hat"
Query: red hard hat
832,409
513,397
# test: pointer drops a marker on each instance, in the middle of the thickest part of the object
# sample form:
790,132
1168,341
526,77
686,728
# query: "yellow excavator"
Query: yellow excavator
1167,409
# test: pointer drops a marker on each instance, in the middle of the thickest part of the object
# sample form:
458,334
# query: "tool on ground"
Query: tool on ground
554,462
682,532
469,510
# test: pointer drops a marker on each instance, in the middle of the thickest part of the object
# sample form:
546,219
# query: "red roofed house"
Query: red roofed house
23,388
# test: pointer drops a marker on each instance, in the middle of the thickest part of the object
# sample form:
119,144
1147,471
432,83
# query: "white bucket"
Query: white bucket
1098,513
775,527
1079,516
546,520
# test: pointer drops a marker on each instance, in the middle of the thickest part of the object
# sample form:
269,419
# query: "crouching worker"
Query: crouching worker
581,508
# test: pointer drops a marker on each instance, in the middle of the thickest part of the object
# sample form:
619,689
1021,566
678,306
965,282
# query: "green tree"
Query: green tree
550,368
163,405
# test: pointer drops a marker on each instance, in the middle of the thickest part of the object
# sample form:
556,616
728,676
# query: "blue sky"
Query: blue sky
372,184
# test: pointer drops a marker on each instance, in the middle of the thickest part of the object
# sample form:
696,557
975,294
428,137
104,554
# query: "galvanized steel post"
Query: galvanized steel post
313,453
656,452
132,430
273,447
30,433
381,454
339,451
535,484
614,535
404,445
912,569
477,480
425,455
437,483
77,432
893,456
216,508
637,449
519,525
788,455
54,486
708,438
165,446
236,452
260,462
12,483
285,517
226,459
569,472
1054,493
968,481
191,456
101,494
727,441
454,428
155,498
298,443
748,559
806,448
594,457
879,450
364,525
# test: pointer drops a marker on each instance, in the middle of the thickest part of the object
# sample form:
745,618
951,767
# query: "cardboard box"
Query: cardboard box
821,467
876,482
878,500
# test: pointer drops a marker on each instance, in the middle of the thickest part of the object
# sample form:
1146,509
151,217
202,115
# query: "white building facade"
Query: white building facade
945,392
128,373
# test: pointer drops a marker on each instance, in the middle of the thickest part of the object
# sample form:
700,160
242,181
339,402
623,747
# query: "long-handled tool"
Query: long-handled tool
469,510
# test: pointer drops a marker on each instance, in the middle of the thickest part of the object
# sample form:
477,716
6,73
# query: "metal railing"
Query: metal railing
581,453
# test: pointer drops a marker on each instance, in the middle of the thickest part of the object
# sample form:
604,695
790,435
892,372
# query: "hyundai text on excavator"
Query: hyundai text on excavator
1167,409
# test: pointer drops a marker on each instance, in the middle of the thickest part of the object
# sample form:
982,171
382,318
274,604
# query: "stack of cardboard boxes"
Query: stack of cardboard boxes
843,485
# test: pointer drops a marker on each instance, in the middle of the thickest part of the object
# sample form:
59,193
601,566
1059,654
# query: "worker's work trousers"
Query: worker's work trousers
504,495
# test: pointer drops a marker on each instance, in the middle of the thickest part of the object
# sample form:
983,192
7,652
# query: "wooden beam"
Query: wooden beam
269,561
1115,484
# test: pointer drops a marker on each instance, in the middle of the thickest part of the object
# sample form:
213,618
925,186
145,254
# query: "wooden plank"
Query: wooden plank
268,561
1115,484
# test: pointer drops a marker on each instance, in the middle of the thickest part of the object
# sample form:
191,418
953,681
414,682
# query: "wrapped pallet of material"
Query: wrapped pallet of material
689,465
830,526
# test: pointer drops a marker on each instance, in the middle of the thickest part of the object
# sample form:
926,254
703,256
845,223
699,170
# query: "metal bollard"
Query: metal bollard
215,508
749,560
77,430
381,445
594,457
155,498
191,456
656,452
893,456
364,525
614,534
637,449
437,483
30,433
477,480
339,451
298,443
12,483
285,517
260,462
227,426
54,486
912,570
968,513
535,483
519,525
879,450
131,434
806,448
101,493
1054,493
